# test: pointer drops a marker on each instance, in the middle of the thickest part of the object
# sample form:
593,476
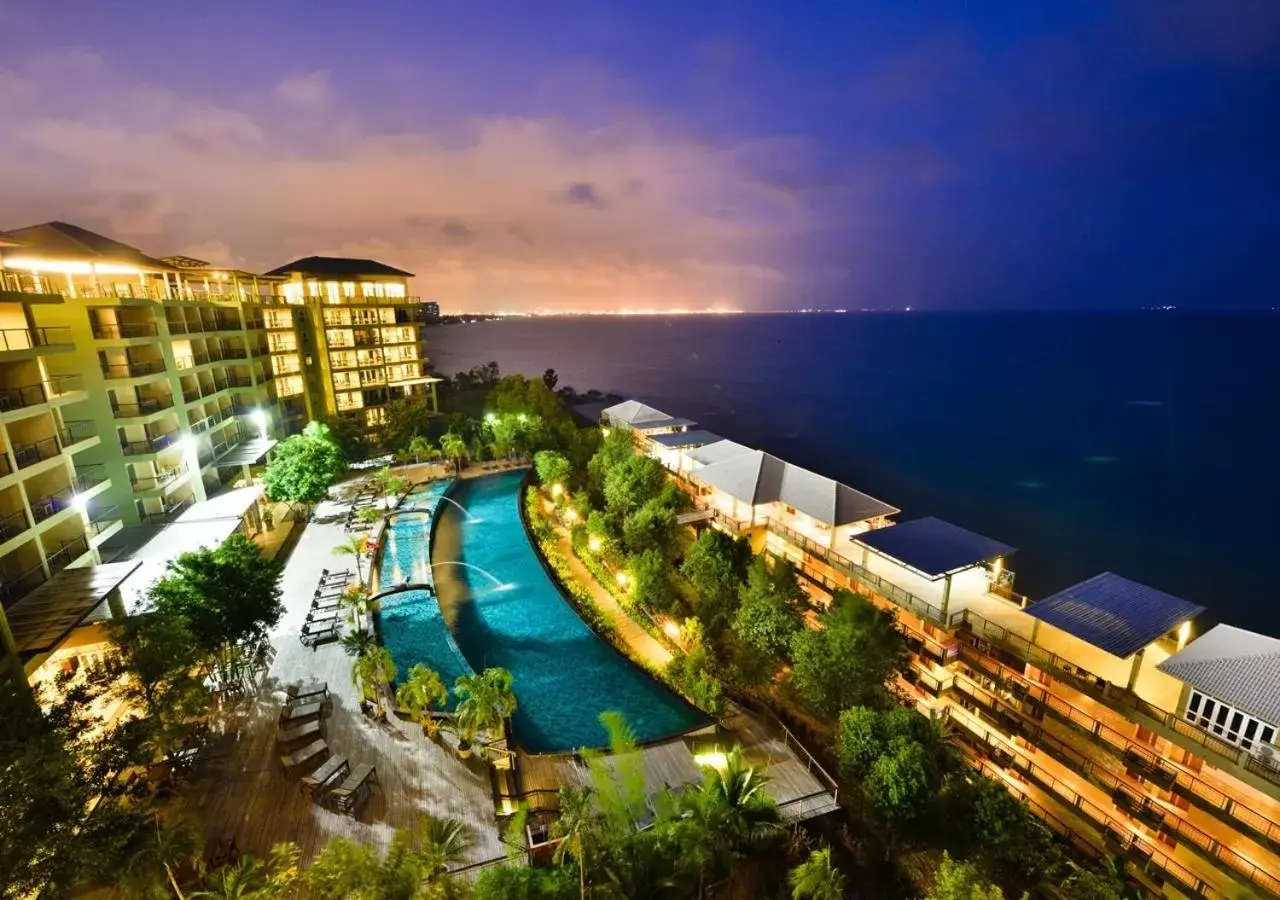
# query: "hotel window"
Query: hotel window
348,288
1230,724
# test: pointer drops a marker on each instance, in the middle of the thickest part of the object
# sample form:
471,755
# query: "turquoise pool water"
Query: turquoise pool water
565,675
412,625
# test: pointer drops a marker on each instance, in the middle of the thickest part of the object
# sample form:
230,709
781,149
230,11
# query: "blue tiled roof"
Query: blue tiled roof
685,438
932,546
1114,614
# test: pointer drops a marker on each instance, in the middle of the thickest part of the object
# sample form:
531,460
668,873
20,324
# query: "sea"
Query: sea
1145,443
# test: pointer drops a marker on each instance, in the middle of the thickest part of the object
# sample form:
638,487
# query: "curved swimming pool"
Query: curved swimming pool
506,611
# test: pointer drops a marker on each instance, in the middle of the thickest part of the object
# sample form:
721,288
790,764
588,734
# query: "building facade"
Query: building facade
1096,705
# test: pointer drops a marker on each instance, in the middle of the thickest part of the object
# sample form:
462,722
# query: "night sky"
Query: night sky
670,154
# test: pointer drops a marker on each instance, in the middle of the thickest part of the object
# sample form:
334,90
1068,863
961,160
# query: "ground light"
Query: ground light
557,490
622,579
712,759
671,629
593,544
571,514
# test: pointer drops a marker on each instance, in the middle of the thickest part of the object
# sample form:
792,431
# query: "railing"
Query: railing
77,430
13,524
192,396
109,331
14,587
30,338
168,514
89,477
36,451
150,444
159,480
133,369
66,553
51,504
143,407
36,394
102,519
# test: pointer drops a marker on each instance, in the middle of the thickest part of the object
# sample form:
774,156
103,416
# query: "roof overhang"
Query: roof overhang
932,548
42,619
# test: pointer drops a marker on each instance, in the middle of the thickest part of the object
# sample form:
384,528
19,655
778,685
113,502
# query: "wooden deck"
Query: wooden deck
246,795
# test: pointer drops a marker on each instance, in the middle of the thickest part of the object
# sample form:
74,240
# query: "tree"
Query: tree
816,878
420,447
615,449
419,693
525,883
406,418
579,829
550,378
652,527
962,881
631,483
345,870
651,581
228,597
163,849
372,672
552,467
850,659
303,467
766,619
454,447
253,879
485,702
716,565
999,830
350,436
353,545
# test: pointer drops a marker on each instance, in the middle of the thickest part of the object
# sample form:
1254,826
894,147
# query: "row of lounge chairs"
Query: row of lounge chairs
331,780
322,622
365,498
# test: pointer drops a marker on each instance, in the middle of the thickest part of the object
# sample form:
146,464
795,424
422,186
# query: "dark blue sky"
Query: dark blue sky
573,155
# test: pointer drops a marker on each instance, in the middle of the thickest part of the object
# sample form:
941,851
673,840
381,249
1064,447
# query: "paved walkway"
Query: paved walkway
642,645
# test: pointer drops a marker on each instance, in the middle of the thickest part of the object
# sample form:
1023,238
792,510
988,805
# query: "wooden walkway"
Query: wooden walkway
246,796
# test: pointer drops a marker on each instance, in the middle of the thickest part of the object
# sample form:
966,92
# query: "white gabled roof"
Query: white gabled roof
1238,667
717,451
633,412
757,477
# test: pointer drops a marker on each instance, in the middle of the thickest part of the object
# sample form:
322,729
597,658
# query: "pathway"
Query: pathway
641,644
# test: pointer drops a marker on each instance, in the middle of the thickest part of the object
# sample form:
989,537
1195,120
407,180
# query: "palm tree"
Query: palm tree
455,448
368,515
444,841
353,546
419,693
420,446
371,672
359,642
816,878
253,879
578,829
171,846
750,814
485,701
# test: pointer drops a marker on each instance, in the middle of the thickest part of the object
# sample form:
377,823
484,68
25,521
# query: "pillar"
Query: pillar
1137,667
946,598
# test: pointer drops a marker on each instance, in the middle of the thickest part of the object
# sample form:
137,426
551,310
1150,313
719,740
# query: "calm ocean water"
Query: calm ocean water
1145,444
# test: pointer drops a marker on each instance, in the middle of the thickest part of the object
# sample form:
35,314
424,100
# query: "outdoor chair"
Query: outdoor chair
348,797
308,694
313,638
298,733
321,616
294,761
335,769
298,712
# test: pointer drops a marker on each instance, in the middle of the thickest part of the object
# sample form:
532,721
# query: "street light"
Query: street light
571,514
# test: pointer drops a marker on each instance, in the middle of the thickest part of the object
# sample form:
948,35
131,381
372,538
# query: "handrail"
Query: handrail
111,331
133,369
40,392
30,338
13,524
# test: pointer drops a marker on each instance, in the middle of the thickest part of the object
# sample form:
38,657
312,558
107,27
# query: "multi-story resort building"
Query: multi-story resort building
133,388
1096,704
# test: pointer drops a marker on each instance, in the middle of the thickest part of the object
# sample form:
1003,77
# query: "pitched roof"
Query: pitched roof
679,439
633,412
1113,613
933,547
340,266
1238,667
655,424
757,477
61,240
717,452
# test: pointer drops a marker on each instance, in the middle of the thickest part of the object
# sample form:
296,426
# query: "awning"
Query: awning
932,547
246,453
40,620
1113,613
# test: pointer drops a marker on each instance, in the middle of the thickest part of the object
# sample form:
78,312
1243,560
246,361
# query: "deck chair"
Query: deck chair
335,769
300,712
298,733
298,759
348,797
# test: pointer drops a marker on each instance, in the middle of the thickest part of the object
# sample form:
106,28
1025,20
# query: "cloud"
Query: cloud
488,211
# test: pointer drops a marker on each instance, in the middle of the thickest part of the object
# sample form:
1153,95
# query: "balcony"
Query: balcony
102,519
67,553
150,444
51,504
76,431
89,477
37,451
55,388
191,395
168,514
13,524
159,480
144,407
12,588
15,339
133,369
116,331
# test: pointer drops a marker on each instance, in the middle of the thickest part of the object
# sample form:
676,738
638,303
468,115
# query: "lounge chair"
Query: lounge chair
298,733
348,796
322,616
298,712
294,761
308,694
333,771
324,603
313,638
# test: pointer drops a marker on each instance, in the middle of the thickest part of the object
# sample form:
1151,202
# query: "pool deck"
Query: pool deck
246,796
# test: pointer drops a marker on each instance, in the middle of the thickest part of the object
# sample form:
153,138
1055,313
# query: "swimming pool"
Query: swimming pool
412,625
507,612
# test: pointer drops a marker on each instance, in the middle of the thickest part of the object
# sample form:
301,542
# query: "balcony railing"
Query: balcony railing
150,444
102,519
13,524
36,451
67,552
75,431
13,587
133,369
144,407
51,504
111,331
168,514
30,338
159,480
88,477
5,468
37,394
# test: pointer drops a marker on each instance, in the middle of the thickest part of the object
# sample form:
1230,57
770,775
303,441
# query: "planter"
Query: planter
464,749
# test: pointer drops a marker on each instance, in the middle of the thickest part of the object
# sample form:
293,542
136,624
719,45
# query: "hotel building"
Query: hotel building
1096,705
134,388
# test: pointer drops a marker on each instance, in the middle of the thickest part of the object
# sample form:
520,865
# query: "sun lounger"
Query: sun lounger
325,603
322,616
313,638
308,693
327,576
335,769
294,761
297,712
351,794
298,733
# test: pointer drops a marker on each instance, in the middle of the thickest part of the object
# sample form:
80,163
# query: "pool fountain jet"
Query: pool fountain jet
497,582
465,511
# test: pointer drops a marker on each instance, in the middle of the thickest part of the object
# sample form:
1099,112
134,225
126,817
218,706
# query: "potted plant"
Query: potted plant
485,702
370,673
418,694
